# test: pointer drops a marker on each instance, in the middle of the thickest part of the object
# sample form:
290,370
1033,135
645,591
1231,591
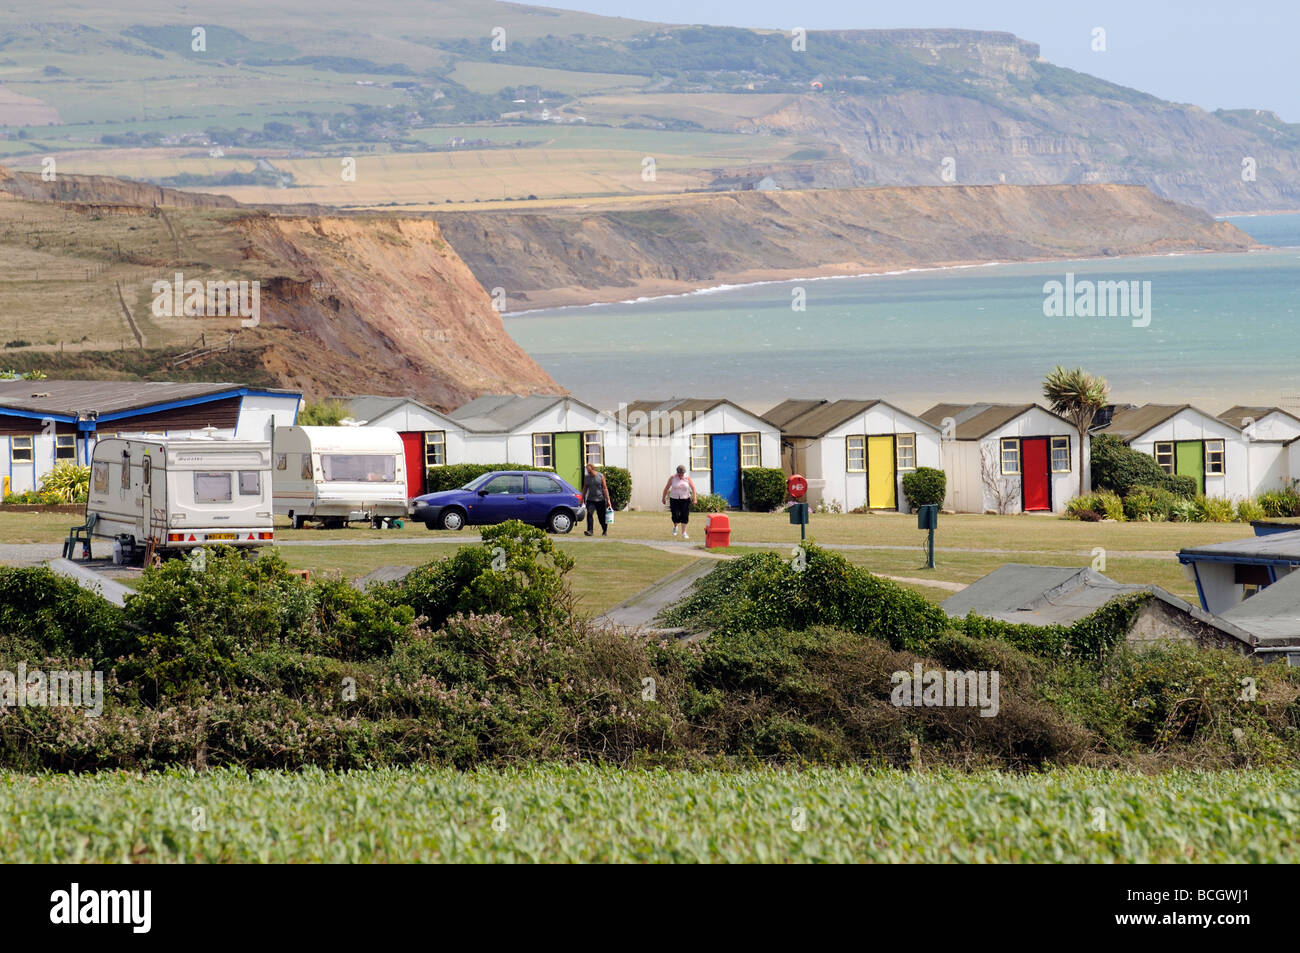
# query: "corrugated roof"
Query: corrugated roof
976,421
818,421
506,413
663,417
1275,547
1061,595
1132,423
1237,416
1273,612
68,397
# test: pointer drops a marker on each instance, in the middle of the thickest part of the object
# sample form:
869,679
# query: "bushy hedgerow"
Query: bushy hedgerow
619,481
455,475
762,488
925,486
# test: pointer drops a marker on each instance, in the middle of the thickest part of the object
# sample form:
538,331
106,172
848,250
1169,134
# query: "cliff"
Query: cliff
609,252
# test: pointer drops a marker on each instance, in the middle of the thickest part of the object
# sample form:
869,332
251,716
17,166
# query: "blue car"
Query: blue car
539,498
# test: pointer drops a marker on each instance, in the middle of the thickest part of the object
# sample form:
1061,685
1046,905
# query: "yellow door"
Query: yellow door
880,473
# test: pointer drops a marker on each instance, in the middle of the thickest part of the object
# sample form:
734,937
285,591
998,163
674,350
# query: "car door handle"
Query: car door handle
518,497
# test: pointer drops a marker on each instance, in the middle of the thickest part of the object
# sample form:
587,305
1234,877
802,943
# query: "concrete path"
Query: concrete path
640,610
110,589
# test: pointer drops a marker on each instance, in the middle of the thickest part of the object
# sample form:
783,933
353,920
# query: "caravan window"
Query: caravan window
212,487
126,470
359,467
100,476
306,466
282,461
250,483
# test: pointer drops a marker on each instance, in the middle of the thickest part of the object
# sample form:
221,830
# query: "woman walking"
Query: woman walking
595,493
680,496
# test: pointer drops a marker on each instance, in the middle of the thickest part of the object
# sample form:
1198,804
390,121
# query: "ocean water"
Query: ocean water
1221,329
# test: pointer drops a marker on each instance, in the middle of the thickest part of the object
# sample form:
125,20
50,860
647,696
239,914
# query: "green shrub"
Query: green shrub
455,475
1149,504
925,486
1119,468
34,498
1184,511
51,615
761,590
517,571
1214,509
1096,506
619,481
710,503
322,413
1248,510
1281,503
67,482
762,488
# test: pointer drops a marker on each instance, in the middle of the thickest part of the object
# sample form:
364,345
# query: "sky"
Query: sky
1218,54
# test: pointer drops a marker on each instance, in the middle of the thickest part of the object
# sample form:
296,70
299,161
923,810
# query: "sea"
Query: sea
1208,329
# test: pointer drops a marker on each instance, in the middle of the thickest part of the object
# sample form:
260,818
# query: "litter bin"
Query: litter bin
717,530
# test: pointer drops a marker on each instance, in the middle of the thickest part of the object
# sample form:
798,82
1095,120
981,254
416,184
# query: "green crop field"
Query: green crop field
553,813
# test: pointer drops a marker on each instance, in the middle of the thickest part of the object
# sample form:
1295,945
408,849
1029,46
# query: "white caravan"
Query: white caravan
338,475
156,494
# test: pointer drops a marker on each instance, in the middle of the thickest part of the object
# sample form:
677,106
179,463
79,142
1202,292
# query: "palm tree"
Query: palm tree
1077,396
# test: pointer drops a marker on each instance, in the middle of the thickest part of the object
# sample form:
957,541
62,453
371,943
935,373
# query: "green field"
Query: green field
553,813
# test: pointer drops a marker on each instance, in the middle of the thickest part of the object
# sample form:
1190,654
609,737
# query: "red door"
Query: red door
413,444
1037,476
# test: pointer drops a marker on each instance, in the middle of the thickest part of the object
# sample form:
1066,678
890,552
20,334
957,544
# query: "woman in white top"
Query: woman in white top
680,496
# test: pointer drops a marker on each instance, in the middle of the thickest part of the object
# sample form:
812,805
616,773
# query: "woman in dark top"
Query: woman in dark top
595,493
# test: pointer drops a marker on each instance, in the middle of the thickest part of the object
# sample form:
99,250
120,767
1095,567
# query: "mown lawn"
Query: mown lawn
584,813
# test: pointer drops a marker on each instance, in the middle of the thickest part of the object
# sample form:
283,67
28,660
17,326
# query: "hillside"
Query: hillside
356,304
616,251
573,103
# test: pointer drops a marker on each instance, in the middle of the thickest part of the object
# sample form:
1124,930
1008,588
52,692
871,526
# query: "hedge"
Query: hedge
925,486
619,482
455,475
763,488
1118,467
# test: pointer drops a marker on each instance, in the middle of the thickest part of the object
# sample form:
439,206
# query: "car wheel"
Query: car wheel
453,520
561,521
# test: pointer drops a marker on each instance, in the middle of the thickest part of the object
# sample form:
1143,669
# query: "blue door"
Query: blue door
726,466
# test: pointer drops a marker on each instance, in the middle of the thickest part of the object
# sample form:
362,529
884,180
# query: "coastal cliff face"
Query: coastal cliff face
579,255
348,304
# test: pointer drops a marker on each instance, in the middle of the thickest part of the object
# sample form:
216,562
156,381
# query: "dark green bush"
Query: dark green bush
455,475
1281,503
1118,467
925,486
1150,504
710,503
762,488
52,615
619,481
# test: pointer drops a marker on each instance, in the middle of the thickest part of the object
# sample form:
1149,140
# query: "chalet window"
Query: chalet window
700,452
1164,455
1061,454
750,450
20,449
905,451
855,449
1214,458
1010,456
211,487
435,448
65,446
543,450
593,448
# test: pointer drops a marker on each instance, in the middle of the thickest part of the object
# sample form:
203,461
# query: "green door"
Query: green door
1189,460
568,458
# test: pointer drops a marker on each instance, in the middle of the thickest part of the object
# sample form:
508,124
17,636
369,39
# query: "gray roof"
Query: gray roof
371,406
1132,422
976,421
1237,416
663,417
816,418
1273,548
1060,595
1273,613
69,397
506,413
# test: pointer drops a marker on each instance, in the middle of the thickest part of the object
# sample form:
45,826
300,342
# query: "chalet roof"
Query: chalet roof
976,421
1130,423
1237,416
506,413
1273,613
73,398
